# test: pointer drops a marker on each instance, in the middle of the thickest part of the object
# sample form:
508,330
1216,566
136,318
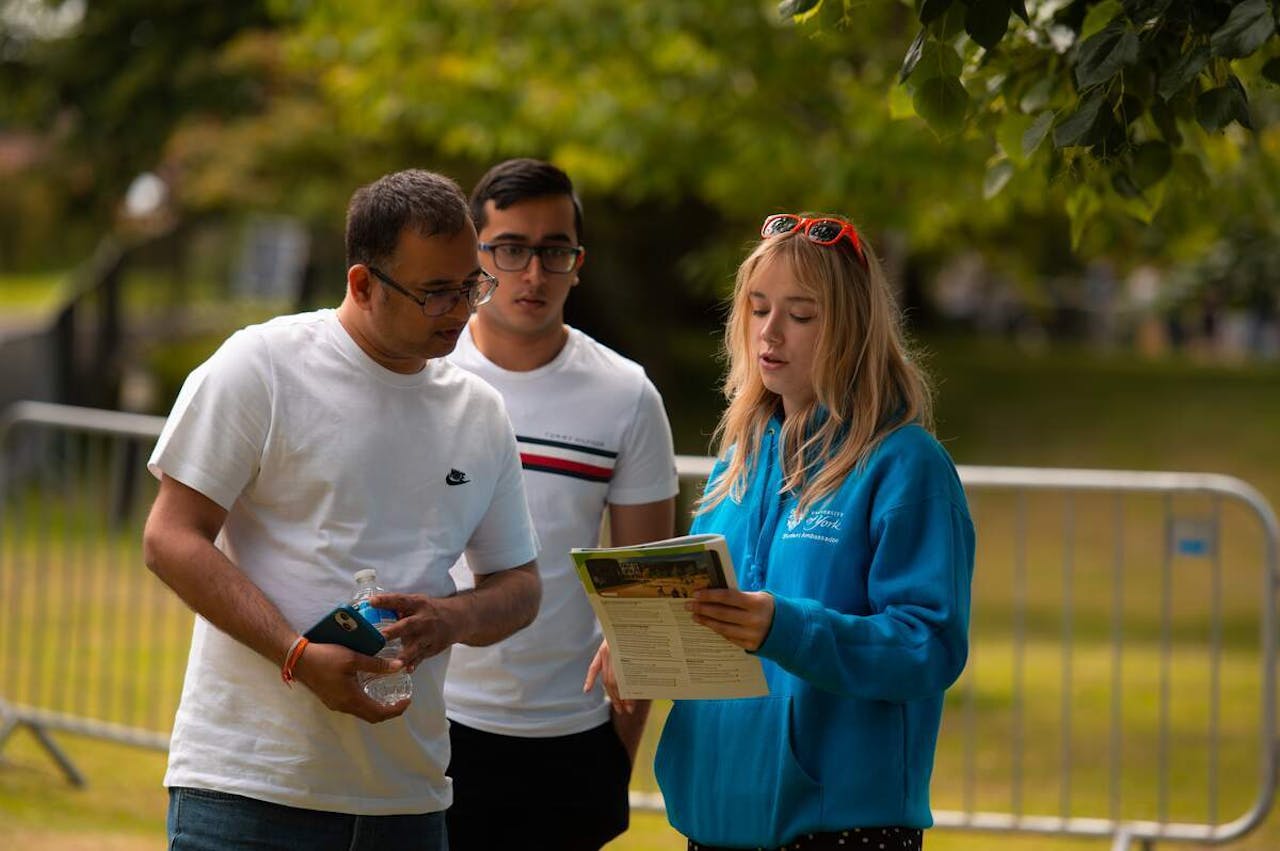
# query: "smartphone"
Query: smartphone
345,626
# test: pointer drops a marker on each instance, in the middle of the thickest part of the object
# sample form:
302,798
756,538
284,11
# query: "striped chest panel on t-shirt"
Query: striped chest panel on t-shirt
566,459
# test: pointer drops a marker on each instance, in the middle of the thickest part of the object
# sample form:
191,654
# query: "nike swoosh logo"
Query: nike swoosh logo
456,477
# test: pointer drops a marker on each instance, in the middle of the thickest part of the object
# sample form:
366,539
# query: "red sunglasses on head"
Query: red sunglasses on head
825,230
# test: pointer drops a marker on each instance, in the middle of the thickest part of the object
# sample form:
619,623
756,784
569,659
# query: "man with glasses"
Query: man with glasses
308,448
537,763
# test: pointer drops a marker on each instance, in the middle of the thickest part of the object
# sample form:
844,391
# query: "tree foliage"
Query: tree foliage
718,104
1074,119
109,86
1126,92
730,105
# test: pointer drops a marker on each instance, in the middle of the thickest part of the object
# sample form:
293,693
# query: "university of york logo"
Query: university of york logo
827,522
456,477
818,524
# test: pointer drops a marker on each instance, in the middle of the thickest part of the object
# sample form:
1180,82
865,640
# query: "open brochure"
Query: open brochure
639,595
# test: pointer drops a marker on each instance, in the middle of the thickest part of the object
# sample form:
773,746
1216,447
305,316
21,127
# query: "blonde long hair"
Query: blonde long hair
864,380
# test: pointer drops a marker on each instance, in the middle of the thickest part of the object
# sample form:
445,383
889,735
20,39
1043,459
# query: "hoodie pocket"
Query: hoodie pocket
729,776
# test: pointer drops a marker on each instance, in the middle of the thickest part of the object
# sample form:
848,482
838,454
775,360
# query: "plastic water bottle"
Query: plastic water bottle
384,688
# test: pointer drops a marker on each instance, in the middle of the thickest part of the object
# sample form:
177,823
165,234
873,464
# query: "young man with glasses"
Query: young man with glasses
305,449
538,763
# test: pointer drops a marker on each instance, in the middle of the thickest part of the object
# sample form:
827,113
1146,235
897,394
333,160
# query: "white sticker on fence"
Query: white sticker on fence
1196,537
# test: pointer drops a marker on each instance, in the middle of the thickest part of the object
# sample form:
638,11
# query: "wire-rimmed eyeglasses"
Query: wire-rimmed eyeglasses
440,302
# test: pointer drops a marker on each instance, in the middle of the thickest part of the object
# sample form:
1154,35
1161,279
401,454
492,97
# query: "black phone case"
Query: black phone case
345,626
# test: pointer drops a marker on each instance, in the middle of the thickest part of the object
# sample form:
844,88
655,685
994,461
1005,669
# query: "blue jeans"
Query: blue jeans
203,820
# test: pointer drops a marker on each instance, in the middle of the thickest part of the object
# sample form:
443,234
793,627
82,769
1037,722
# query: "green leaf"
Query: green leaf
950,23
1247,27
795,8
1166,121
1144,206
1076,126
1037,97
1189,171
1129,109
914,52
927,57
1140,79
1217,108
1271,70
1107,137
995,179
943,103
931,10
1141,11
1036,132
1082,205
900,103
1124,186
1104,54
938,60
1186,69
1009,132
1242,112
1098,18
987,21
1151,162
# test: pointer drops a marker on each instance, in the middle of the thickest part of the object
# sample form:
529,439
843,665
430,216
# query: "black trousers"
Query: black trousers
560,793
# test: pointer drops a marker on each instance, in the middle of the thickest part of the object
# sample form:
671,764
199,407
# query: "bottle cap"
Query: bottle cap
366,575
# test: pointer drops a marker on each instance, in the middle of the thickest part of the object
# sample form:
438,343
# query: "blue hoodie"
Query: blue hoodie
870,626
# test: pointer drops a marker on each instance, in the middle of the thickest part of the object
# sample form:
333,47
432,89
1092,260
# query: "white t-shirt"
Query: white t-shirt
328,463
592,431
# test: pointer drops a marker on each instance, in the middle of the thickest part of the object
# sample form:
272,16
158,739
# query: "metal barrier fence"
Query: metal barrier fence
91,643
1121,682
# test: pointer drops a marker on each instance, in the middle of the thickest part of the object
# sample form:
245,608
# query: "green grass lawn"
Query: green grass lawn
997,405
31,297
1067,407
144,290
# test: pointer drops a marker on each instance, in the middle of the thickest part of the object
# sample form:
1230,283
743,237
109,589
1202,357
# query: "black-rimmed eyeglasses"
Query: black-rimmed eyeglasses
515,256
440,302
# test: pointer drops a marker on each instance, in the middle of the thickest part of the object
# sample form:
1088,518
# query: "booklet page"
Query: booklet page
639,595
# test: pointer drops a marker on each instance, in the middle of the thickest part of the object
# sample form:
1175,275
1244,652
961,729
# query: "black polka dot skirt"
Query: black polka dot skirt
853,839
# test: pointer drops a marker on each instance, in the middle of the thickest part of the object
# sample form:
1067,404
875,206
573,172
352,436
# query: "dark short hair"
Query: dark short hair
429,203
518,180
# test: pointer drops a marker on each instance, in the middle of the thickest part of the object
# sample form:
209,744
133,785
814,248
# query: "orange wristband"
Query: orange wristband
291,658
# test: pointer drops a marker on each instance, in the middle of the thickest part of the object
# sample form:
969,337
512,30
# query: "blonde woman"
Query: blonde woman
854,552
